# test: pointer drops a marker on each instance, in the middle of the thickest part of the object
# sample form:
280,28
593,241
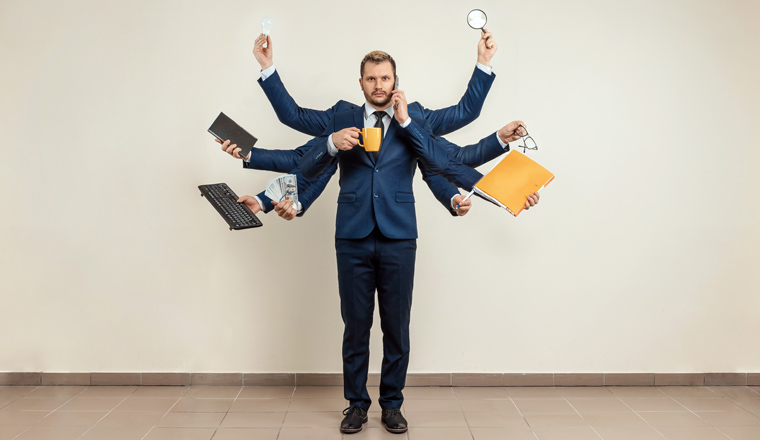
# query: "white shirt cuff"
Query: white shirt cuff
407,122
486,69
266,73
504,145
332,150
261,205
453,206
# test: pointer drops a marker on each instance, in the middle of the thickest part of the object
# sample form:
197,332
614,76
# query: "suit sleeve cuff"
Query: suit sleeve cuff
266,73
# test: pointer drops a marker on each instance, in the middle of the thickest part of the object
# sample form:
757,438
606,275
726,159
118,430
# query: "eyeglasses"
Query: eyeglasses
528,142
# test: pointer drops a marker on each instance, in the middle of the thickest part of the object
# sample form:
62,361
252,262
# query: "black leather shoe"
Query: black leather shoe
354,419
393,420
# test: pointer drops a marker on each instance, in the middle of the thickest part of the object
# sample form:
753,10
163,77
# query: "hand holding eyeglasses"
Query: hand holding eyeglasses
512,131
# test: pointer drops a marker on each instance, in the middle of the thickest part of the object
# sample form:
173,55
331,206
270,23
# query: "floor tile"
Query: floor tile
374,434
61,392
502,434
53,433
187,404
266,405
657,419
15,392
730,418
586,392
439,434
566,434
107,392
437,419
534,393
638,393
310,405
26,418
554,406
596,406
198,392
628,433
253,420
752,406
149,404
414,405
741,432
502,406
429,393
160,392
321,419
619,419
72,418
310,434
180,434
481,393
708,404
246,434
7,432
736,393
191,420
645,404
36,404
693,392
537,420
266,393
128,418
494,420
318,393
100,432
691,433
92,404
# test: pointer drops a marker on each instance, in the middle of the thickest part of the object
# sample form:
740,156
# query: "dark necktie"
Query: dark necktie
379,124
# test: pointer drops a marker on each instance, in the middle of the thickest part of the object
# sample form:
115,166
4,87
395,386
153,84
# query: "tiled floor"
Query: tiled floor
436,413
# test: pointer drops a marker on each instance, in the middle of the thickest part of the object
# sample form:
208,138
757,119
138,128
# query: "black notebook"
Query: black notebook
225,128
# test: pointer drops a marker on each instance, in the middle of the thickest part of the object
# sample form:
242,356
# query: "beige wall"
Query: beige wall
641,257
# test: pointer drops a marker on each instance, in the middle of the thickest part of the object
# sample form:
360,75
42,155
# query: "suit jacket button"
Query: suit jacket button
374,195
376,170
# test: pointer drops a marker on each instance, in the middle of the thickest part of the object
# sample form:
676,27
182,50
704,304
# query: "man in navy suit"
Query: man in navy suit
375,234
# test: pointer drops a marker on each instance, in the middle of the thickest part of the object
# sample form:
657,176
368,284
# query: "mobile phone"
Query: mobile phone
395,87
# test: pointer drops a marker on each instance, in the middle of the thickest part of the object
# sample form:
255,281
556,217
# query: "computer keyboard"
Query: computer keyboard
237,215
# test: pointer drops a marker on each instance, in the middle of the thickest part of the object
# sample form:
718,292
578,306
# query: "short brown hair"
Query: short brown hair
377,56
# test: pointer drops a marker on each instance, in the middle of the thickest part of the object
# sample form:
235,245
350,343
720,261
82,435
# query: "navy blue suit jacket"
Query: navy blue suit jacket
376,193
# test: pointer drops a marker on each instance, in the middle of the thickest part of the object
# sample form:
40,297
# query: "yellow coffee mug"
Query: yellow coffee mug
372,139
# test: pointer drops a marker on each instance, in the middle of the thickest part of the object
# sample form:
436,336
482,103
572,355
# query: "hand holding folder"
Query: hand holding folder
513,183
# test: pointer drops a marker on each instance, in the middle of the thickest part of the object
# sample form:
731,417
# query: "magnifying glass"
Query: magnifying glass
477,19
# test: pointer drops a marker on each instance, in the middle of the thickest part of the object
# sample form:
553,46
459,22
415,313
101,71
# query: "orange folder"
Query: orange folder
512,180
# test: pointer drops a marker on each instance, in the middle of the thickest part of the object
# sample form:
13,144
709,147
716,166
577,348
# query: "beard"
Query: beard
379,101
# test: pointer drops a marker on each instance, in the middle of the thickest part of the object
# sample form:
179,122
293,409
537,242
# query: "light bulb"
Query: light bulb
266,25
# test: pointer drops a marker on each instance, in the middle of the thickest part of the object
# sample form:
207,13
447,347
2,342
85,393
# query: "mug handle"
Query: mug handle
361,135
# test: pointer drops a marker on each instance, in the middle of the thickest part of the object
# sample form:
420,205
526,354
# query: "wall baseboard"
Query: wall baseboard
413,379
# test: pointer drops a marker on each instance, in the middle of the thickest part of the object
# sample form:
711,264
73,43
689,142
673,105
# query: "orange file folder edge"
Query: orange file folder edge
510,182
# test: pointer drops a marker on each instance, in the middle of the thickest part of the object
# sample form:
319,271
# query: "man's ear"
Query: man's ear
361,85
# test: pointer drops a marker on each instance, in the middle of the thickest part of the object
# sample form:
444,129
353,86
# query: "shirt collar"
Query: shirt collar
368,110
